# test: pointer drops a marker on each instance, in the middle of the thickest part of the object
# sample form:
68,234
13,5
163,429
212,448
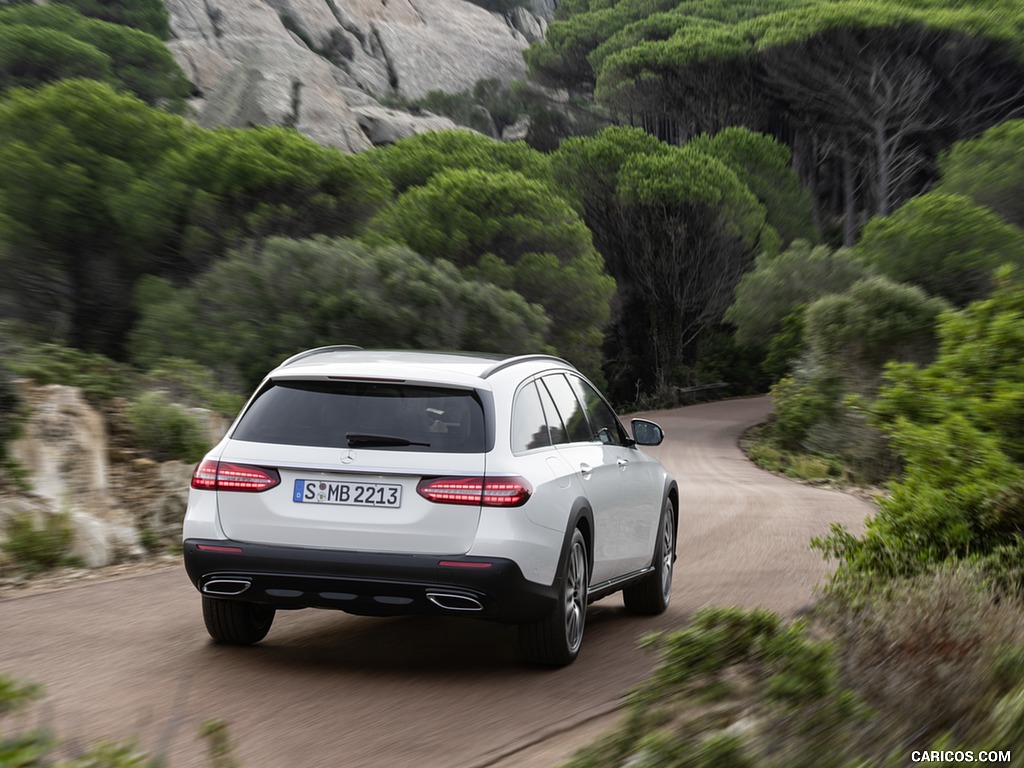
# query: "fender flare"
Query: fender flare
580,513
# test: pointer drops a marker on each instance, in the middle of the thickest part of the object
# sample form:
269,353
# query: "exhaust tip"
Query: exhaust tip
226,587
454,602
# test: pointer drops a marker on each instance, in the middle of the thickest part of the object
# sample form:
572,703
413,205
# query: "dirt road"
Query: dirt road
130,655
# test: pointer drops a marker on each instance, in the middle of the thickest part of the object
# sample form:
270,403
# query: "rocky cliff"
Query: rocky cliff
320,66
114,500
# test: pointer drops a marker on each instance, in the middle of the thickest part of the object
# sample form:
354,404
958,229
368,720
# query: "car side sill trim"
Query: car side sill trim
605,588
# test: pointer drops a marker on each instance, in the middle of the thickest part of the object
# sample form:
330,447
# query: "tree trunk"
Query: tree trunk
884,179
849,196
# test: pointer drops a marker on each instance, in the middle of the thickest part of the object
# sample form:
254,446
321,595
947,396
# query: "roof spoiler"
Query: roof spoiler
318,351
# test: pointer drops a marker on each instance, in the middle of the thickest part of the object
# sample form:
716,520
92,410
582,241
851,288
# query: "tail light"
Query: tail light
476,491
213,475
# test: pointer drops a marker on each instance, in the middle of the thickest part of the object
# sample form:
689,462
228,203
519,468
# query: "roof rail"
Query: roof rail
317,351
522,359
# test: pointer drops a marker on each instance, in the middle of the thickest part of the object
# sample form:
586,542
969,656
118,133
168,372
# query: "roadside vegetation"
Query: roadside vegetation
890,334
36,746
713,205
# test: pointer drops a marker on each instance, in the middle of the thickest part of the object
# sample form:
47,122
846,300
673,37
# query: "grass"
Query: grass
761,448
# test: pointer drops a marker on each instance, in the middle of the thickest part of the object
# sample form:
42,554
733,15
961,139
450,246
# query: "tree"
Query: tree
576,45
674,225
99,188
147,15
779,283
867,93
141,63
587,171
413,161
944,243
989,170
229,185
695,229
260,304
30,56
73,153
492,106
765,166
517,233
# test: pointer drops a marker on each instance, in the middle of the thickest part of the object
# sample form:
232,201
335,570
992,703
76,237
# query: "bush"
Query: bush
799,405
964,501
165,429
736,688
943,243
148,15
779,283
259,306
99,377
855,333
189,383
36,748
36,547
930,655
873,672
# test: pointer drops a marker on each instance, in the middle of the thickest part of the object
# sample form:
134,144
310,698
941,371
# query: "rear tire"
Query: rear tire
236,623
652,594
555,640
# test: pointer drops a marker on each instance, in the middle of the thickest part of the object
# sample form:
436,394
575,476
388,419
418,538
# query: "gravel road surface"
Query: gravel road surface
129,655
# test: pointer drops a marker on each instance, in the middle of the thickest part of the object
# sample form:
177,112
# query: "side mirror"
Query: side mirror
647,432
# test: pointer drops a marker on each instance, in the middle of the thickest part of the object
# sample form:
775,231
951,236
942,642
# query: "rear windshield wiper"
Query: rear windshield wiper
359,438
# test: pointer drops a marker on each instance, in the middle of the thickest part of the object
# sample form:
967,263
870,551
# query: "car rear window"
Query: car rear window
332,414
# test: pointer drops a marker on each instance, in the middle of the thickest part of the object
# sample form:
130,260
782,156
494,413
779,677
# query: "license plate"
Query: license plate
352,494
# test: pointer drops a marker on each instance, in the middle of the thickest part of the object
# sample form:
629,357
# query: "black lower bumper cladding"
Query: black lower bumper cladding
366,583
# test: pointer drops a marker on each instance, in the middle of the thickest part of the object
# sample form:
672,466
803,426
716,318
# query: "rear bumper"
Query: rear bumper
366,583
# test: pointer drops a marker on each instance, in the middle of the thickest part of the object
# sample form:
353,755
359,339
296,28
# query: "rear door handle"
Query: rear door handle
586,470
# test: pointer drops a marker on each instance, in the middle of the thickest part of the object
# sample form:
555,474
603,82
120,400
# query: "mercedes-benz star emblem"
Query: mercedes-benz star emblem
347,457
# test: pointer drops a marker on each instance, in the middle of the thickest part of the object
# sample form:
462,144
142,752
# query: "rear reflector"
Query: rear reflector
476,491
222,550
213,475
464,564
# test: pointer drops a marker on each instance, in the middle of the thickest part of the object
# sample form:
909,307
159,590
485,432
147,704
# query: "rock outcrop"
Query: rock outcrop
118,503
63,446
297,62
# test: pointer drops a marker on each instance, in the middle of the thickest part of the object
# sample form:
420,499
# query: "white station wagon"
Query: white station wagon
383,483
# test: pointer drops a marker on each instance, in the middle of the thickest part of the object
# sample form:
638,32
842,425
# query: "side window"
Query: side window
529,427
573,415
606,427
559,434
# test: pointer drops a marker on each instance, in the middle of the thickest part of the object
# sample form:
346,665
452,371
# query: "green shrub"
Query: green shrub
99,377
36,547
189,383
760,447
809,467
165,429
14,695
872,672
799,405
219,746
931,655
36,748
148,15
958,426
766,455
730,666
